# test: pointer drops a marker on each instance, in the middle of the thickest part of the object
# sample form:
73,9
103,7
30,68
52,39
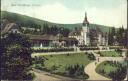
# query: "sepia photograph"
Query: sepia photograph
64,40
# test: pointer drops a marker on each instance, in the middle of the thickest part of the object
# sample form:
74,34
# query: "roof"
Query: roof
68,39
97,31
49,37
85,22
9,26
42,37
75,32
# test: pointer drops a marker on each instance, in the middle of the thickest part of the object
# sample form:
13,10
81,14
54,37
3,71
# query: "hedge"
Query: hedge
116,47
89,48
53,50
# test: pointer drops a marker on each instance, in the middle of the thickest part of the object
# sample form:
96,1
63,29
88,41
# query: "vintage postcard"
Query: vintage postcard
64,40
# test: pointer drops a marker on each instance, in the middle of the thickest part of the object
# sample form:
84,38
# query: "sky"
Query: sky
103,12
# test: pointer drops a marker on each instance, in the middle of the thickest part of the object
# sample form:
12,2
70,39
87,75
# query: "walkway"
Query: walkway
67,52
43,77
90,68
46,76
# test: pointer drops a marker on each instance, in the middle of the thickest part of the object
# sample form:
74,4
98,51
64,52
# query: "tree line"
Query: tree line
118,36
46,29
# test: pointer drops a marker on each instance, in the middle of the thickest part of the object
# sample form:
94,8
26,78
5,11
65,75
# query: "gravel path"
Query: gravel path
41,76
46,76
90,68
68,52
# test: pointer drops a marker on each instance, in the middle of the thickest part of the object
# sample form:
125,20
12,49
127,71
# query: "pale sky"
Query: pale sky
104,12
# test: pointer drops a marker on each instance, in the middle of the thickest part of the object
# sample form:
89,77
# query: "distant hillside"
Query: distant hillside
26,21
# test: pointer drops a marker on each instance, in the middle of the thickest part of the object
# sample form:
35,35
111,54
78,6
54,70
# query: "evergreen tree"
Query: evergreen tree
112,34
120,36
15,57
45,29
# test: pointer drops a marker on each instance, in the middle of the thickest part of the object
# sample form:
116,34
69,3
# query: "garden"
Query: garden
70,65
110,53
112,69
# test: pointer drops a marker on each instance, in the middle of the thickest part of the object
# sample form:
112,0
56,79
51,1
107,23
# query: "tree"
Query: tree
64,31
112,33
121,35
15,57
45,29
54,30
125,43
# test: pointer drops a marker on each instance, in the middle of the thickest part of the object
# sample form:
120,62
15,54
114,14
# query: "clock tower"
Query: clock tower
85,30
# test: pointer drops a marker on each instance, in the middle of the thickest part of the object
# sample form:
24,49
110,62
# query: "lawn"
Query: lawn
60,64
109,54
64,60
107,67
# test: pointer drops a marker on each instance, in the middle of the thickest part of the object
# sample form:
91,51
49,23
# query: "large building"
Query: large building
82,35
87,36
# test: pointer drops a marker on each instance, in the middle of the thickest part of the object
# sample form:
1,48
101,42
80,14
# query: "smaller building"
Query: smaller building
52,41
11,28
29,28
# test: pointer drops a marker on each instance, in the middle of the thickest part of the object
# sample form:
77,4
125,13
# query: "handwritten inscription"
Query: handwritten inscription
27,5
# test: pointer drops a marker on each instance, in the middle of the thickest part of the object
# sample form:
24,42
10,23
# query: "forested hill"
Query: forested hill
26,21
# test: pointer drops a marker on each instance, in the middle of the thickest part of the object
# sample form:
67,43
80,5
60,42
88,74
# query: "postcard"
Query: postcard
64,40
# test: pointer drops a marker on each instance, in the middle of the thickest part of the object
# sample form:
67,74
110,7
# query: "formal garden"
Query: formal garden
110,53
70,65
112,69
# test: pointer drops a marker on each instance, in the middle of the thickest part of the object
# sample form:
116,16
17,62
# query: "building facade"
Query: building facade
82,35
87,36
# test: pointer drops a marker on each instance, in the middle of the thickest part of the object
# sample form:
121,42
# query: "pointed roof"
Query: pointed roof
85,22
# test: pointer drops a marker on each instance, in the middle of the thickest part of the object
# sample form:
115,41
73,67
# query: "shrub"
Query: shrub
39,60
76,71
91,56
119,74
38,66
53,50
88,48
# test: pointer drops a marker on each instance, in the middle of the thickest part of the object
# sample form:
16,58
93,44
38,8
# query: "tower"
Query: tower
85,30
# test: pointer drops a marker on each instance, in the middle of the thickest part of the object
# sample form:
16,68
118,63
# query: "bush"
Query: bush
53,50
116,47
76,71
119,74
88,48
30,76
38,66
118,50
91,56
39,60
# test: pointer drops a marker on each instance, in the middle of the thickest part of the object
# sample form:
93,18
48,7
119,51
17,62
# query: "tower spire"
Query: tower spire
85,14
85,22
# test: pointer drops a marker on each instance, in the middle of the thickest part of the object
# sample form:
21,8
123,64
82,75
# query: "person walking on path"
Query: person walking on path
95,63
98,59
